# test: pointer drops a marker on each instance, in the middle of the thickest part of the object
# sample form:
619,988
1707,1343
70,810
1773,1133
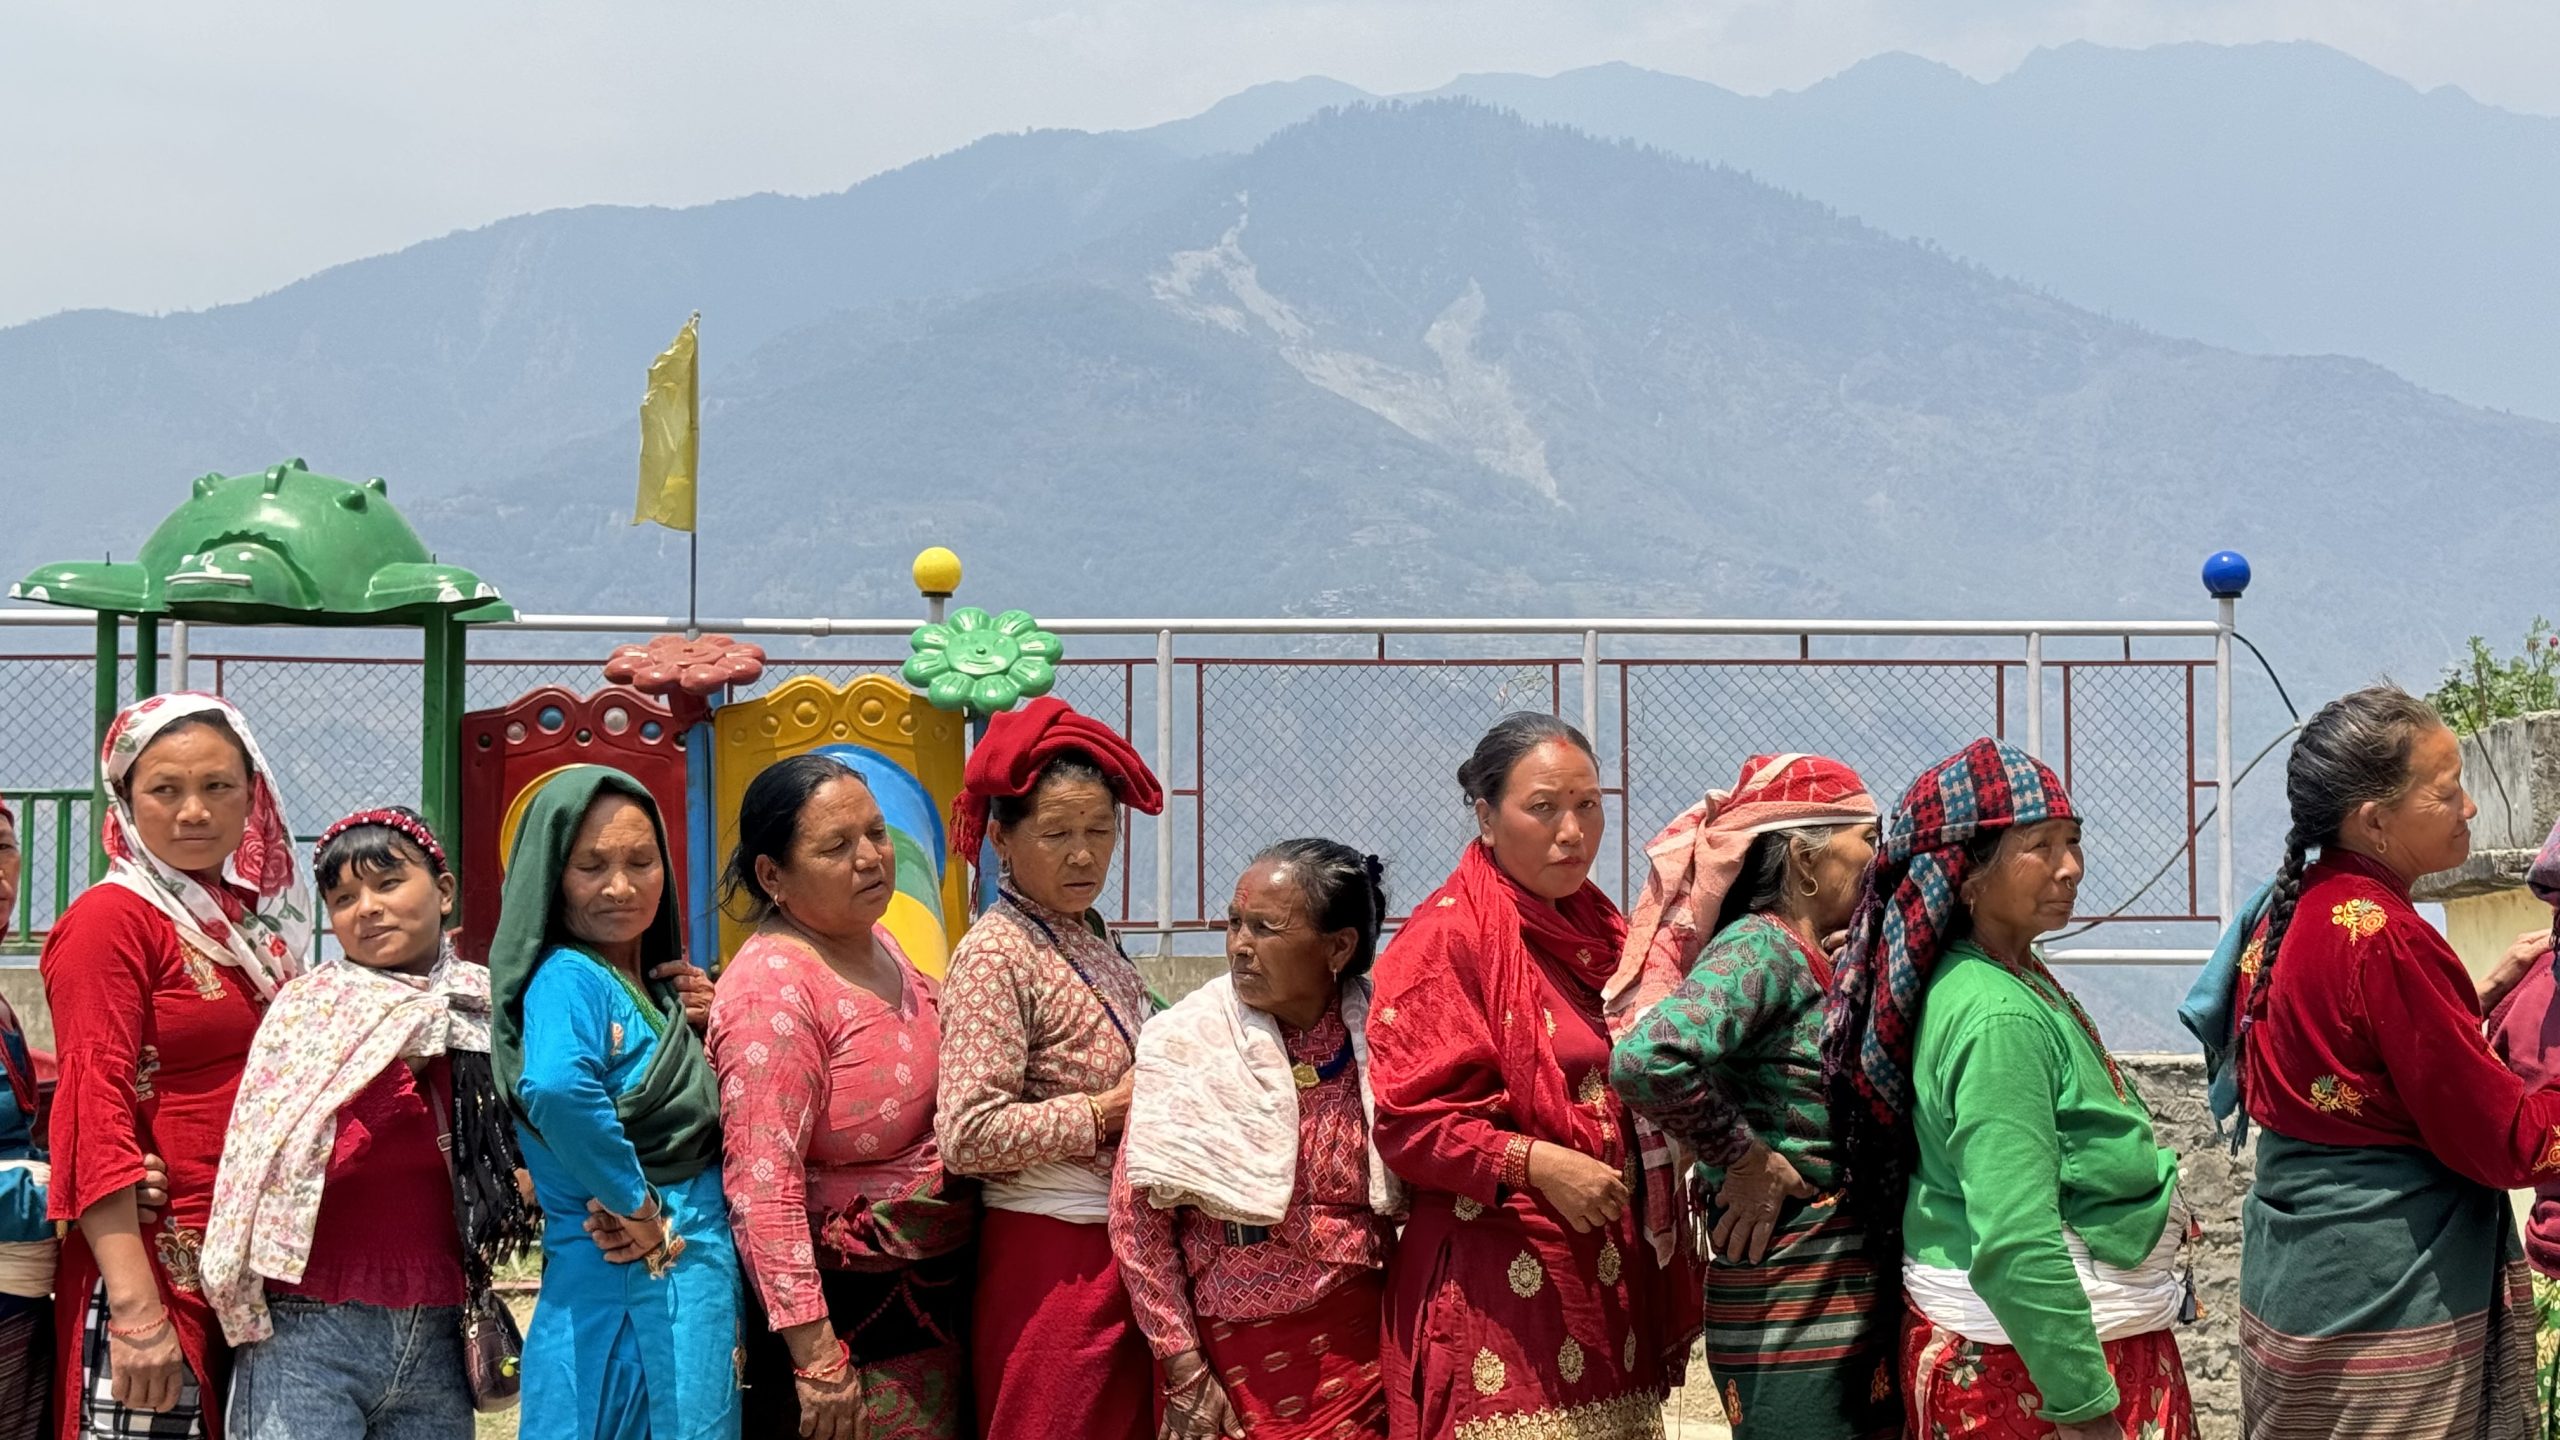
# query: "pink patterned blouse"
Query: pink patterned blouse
1038,1014
826,1097
1181,1266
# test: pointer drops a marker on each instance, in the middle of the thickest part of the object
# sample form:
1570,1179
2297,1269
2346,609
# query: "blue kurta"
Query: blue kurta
613,1354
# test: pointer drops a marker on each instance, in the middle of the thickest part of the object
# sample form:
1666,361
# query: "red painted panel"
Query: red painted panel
507,749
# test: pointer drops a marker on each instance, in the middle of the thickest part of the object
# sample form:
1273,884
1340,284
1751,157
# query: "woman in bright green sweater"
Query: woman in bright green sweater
2040,1225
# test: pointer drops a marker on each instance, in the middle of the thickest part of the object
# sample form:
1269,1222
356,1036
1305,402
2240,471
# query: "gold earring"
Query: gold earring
1812,887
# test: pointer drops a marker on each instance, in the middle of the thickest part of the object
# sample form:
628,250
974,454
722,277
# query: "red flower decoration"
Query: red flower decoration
672,664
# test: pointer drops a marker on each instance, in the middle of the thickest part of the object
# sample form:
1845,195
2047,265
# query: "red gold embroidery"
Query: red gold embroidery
2550,1153
2337,1096
2254,959
180,1253
2359,917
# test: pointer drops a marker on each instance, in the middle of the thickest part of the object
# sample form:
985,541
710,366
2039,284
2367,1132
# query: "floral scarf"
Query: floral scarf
328,1034
266,937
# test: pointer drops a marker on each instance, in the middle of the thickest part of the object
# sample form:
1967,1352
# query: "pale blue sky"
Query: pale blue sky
167,154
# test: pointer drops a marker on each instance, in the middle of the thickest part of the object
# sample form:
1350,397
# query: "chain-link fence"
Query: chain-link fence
1363,750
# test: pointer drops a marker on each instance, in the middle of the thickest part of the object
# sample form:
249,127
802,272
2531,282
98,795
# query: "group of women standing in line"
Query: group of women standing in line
1454,1188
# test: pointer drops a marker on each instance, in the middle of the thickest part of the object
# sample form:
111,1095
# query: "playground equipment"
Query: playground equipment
284,547
667,719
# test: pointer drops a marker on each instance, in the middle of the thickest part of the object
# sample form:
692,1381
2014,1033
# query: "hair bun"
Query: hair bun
1374,868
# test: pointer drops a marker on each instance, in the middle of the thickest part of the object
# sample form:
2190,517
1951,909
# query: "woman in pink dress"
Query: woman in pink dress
825,1039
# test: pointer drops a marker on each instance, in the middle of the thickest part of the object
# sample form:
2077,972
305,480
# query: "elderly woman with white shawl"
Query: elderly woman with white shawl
1251,1215
1718,1006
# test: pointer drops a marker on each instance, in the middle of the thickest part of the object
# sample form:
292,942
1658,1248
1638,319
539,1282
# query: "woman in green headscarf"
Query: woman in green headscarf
620,1119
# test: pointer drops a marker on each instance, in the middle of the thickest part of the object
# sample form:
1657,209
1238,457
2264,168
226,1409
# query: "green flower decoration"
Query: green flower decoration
983,665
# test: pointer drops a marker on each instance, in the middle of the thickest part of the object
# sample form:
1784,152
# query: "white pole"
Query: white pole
2035,693
1164,774
178,656
1591,686
2225,903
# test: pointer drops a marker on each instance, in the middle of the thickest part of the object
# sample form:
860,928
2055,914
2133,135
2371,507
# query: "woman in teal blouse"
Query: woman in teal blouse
635,1337
2040,1222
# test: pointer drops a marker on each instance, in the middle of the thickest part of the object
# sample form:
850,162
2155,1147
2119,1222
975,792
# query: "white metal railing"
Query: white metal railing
1164,632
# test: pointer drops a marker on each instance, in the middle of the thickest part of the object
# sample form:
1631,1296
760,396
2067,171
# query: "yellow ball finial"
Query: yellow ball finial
937,572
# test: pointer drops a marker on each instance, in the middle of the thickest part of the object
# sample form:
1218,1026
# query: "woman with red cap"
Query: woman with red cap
1524,1297
1040,1016
1718,1007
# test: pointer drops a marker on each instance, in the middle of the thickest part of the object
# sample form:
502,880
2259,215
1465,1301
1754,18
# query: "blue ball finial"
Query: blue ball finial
2226,575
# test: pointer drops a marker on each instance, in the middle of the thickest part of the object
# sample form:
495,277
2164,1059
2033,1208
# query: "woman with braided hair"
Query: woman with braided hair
2382,1287
2006,1169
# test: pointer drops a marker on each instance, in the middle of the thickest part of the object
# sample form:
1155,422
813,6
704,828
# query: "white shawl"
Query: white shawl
1213,1115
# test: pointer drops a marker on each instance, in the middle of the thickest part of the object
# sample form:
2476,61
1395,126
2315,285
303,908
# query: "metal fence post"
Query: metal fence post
2228,607
178,678
1591,685
1164,773
2035,694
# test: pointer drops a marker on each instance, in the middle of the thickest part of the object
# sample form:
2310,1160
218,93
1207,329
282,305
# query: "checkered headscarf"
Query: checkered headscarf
1906,902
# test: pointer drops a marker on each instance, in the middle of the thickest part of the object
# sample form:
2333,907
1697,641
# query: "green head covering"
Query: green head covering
673,1117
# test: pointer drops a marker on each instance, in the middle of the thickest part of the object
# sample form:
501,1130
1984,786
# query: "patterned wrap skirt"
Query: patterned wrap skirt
1954,1387
2381,1294
1791,1341
1312,1375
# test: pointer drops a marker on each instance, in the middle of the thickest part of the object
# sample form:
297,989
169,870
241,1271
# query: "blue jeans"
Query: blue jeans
352,1372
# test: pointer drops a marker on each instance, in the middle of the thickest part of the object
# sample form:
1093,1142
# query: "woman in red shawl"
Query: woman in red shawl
1040,1017
156,978
1523,1298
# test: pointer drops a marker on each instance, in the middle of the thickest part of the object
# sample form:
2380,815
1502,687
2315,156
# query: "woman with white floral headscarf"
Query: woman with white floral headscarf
156,979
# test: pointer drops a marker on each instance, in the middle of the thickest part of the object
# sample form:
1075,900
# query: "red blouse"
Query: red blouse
2369,1033
386,1233
1180,1265
826,1099
119,982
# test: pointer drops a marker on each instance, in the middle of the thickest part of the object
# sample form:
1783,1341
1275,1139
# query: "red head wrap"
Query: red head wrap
1020,743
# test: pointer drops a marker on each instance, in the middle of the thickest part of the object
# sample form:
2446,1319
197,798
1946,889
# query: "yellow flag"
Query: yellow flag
671,434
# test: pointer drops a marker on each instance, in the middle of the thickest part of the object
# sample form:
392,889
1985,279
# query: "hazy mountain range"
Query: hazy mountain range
1311,354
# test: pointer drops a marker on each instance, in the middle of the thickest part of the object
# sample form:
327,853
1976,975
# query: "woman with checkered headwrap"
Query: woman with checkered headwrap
2000,1157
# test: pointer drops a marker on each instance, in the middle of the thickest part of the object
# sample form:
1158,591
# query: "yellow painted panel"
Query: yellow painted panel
2481,927
805,713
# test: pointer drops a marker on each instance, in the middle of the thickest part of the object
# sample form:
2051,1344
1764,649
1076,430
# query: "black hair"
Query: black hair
373,850
1487,772
2355,749
769,821
212,720
1067,767
1345,890
1761,886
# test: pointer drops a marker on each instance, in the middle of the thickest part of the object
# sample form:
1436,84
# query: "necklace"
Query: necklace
1023,908
1310,1076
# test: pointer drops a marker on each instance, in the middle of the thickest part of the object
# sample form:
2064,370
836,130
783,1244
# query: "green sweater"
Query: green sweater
2021,1132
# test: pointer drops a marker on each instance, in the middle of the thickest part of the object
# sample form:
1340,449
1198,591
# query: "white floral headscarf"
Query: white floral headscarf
269,940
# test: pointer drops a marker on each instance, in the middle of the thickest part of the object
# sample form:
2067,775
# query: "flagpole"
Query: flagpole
693,532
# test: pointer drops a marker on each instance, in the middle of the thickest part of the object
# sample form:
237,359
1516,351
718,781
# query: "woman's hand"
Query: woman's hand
1111,1107
2510,970
1754,1188
1196,1405
149,1370
831,1404
152,1195
692,986
2102,1428
622,1238
1585,1192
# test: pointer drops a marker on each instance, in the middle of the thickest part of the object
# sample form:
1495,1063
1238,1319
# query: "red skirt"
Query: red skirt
1952,1386
1054,1350
1308,1376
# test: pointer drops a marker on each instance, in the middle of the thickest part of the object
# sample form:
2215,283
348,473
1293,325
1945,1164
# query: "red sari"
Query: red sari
1487,1035
121,982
